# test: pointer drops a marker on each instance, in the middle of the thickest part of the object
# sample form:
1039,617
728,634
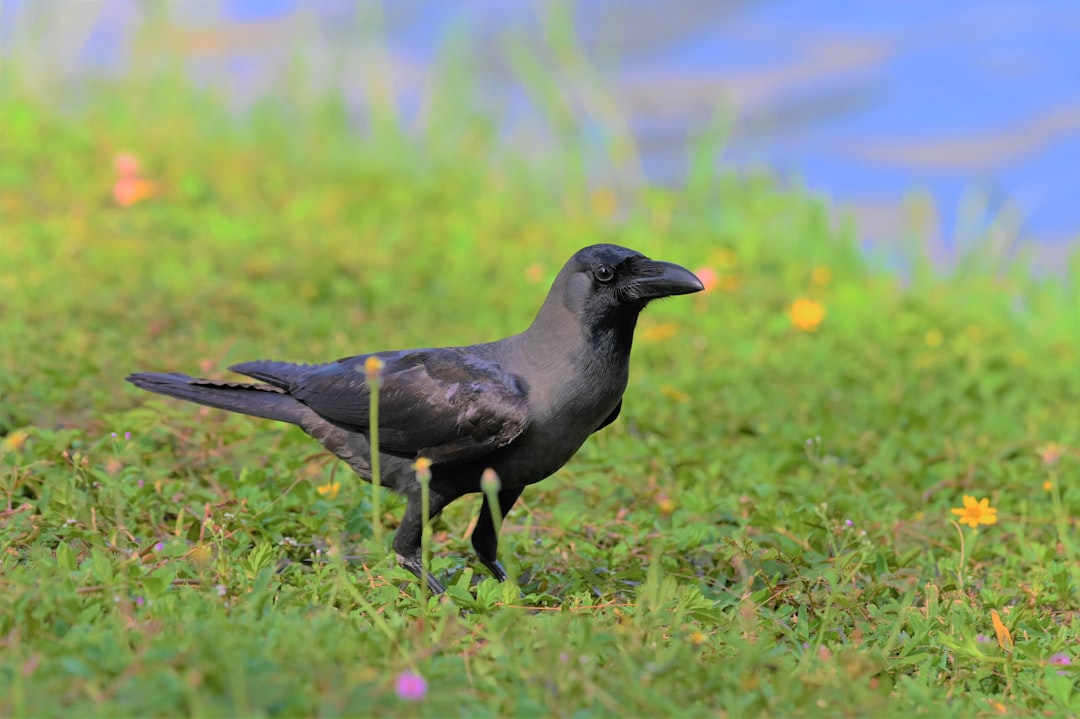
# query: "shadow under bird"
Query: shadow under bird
521,406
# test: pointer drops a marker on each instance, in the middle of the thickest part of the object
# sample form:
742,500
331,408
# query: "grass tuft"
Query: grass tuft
766,531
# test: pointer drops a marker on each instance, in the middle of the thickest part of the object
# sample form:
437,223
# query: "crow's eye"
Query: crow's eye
604,273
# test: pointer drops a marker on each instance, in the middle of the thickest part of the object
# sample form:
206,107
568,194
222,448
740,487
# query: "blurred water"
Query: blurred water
975,102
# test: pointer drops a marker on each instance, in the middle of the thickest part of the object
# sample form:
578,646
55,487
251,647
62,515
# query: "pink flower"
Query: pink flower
129,187
126,165
410,687
1062,659
708,277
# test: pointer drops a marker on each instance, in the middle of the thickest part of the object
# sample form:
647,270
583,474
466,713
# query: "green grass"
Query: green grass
766,531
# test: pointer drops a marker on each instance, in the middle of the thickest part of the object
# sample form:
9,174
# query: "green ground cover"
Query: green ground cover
766,531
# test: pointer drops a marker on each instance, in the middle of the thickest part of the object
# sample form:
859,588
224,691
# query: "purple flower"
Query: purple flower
848,523
127,435
139,601
114,434
159,547
410,687
221,590
982,638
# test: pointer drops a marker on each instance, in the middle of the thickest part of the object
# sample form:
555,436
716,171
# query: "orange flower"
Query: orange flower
806,315
534,272
373,368
422,467
1004,636
129,190
976,512
659,333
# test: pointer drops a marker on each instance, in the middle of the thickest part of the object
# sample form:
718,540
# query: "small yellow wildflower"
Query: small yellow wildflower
821,276
329,490
976,512
1048,485
934,338
15,440
372,367
1050,453
697,637
422,467
806,315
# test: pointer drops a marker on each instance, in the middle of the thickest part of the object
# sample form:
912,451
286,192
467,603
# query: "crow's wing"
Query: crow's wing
449,405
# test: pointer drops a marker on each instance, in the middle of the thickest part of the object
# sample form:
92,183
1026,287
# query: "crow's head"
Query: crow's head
605,287
605,279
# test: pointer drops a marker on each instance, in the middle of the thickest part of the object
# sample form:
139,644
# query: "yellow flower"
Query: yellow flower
373,367
329,490
1048,485
16,440
976,512
422,467
806,315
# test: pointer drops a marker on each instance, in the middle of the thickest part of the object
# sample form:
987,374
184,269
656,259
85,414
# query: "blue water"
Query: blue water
975,102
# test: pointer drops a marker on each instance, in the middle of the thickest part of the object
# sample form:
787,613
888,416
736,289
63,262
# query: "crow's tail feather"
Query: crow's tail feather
258,400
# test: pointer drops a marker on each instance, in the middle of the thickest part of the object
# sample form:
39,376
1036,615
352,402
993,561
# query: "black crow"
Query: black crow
521,406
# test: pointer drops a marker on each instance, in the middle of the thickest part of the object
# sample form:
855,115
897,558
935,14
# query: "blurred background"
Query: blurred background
949,120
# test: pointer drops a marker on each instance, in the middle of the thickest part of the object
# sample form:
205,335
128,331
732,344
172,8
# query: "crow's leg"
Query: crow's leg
485,538
407,539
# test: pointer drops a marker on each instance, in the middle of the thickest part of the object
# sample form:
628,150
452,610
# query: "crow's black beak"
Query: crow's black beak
654,279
